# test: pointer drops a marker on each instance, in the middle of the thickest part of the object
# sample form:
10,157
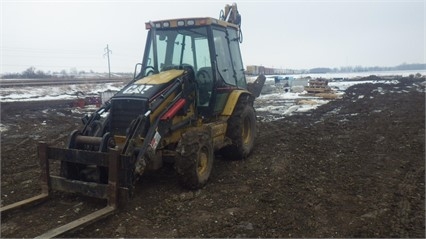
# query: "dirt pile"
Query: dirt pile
354,167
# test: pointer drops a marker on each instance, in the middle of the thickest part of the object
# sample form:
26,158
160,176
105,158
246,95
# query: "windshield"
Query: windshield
177,47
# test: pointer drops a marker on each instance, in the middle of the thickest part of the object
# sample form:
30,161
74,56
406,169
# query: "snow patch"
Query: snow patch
286,104
61,92
3,128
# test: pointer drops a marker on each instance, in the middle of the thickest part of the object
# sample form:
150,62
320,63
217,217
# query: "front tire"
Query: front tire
194,159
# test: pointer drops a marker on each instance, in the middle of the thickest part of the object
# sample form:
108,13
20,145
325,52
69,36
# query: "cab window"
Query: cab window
223,57
237,62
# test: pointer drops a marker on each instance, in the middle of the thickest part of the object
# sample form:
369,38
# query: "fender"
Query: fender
233,99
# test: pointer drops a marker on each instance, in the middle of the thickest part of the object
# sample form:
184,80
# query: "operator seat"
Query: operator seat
205,85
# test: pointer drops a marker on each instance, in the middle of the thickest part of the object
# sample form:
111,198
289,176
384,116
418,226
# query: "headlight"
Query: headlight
181,23
190,22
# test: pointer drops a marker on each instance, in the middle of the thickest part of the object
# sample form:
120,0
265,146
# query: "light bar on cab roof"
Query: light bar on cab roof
180,23
190,22
186,22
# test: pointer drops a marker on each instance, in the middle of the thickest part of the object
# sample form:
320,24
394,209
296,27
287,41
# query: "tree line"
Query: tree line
32,73
402,67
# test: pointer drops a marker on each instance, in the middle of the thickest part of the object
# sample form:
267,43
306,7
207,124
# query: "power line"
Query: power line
24,56
44,52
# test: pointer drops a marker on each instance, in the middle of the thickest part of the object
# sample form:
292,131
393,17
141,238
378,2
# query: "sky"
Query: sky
72,35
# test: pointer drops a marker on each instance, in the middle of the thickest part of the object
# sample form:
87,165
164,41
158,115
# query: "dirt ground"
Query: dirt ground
354,167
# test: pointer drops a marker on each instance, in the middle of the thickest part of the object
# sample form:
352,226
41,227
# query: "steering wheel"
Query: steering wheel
150,70
169,67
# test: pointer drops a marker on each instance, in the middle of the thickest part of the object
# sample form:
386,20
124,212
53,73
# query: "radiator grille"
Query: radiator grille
123,111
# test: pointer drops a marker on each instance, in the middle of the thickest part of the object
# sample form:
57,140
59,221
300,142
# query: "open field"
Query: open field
354,167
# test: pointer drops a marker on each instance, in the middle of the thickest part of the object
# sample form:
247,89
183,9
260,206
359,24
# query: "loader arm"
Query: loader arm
182,100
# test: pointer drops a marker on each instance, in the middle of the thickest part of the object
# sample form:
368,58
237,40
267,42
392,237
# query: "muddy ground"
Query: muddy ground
354,167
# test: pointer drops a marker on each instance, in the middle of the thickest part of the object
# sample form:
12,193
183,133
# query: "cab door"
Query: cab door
229,66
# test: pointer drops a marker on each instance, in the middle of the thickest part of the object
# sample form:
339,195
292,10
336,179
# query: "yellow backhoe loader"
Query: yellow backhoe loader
188,99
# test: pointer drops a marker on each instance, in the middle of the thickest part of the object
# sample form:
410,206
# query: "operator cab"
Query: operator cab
208,47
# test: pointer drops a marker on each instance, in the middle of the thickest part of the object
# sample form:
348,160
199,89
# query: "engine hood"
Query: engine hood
160,78
148,86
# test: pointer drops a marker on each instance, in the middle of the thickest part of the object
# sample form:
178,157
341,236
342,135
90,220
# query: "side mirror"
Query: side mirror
138,71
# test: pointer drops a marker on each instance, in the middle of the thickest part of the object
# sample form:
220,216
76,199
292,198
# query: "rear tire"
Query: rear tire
241,130
194,159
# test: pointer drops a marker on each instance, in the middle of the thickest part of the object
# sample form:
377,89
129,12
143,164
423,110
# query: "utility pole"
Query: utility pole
107,51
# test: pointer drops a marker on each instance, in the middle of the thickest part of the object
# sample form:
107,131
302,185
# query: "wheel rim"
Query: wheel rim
202,163
246,134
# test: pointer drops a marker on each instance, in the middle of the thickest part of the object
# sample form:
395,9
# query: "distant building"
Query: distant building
257,70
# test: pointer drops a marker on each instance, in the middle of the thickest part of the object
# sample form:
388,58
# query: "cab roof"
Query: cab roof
188,22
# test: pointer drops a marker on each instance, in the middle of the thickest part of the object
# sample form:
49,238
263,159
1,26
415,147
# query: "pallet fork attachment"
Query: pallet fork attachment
110,191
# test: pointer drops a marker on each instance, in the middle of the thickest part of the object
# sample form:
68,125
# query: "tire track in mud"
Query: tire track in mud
405,194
